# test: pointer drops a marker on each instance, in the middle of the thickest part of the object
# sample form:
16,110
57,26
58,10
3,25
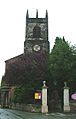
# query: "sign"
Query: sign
73,96
37,95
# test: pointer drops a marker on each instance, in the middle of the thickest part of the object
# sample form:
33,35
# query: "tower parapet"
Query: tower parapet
36,38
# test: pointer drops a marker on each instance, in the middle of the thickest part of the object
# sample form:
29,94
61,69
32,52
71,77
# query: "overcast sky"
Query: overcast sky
62,22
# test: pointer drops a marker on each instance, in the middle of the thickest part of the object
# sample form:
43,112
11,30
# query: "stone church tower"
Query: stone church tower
36,38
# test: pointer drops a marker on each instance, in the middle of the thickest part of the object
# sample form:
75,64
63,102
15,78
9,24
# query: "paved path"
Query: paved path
14,114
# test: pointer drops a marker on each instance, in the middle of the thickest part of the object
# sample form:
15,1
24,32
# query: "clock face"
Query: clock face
36,47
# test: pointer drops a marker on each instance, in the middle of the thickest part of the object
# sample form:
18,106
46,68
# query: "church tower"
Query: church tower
36,38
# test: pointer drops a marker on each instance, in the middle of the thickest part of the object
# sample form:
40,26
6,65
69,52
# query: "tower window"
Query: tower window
36,32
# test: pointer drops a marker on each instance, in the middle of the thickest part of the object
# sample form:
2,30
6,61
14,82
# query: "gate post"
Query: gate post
44,98
66,105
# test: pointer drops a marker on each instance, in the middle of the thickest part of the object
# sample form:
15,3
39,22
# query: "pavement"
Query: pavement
14,114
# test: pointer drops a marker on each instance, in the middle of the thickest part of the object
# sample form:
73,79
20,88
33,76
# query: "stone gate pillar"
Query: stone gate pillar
44,108
66,106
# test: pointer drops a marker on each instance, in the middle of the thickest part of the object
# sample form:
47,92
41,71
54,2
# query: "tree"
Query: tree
62,63
23,94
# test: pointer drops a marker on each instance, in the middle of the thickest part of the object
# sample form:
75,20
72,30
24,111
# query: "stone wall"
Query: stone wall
73,105
37,108
26,107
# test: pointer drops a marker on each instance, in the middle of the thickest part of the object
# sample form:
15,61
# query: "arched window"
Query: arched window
36,32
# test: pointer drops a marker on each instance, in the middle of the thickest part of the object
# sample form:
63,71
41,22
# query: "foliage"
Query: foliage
23,94
62,63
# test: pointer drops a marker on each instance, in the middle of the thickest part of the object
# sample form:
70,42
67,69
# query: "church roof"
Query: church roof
13,59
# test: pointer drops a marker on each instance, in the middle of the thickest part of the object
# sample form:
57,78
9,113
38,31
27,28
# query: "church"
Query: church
36,48
25,73
30,67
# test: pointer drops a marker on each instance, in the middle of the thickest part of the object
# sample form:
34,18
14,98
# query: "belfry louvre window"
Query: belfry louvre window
37,32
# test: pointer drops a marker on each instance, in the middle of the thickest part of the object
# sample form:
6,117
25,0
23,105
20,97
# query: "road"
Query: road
14,114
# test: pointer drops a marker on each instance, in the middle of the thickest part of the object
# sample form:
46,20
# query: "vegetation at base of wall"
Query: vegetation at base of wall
23,94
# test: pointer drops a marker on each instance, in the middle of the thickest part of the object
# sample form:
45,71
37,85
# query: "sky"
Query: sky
61,22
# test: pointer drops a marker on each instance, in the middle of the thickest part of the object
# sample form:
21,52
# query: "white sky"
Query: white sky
62,22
